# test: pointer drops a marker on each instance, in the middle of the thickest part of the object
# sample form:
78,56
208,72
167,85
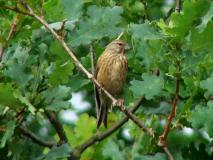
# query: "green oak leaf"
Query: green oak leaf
72,8
150,86
7,97
180,24
101,22
201,118
144,31
157,156
57,152
18,65
202,41
207,85
85,128
69,25
55,98
25,101
206,19
18,73
152,53
112,147
77,82
53,10
61,73
58,53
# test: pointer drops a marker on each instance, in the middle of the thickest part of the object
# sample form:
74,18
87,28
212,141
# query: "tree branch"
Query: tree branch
36,139
162,138
56,124
167,151
82,68
120,35
15,9
145,9
12,31
101,136
167,17
178,6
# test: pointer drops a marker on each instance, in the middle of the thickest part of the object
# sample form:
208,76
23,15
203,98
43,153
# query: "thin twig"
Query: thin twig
93,72
58,128
15,9
102,135
12,31
61,30
145,9
139,123
167,151
63,24
56,124
120,35
167,17
163,137
82,68
178,6
36,139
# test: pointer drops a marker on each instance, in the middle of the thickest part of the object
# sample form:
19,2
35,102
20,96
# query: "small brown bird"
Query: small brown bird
111,70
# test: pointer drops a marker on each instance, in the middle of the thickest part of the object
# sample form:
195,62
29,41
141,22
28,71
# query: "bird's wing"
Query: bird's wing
97,96
100,110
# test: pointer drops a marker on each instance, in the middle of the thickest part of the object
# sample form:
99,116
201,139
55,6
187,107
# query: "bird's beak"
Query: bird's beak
127,46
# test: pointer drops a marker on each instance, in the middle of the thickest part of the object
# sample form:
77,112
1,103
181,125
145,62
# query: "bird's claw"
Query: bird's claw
101,89
119,102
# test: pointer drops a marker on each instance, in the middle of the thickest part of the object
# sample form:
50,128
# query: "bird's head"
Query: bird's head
117,47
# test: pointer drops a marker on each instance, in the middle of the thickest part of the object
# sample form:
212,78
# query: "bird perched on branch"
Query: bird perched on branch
111,70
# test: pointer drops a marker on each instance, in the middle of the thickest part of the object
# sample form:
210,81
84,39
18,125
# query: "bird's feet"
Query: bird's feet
119,102
101,89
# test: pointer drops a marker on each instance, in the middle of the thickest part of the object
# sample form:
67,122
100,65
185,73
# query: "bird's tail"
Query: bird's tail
102,115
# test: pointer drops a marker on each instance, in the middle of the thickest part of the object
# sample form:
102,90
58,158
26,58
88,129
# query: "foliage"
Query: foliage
37,75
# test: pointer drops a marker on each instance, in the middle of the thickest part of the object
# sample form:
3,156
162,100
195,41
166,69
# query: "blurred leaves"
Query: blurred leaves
7,97
60,73
157,156
201,118
55,98
207,84
18,66
144,31
180,24
102,22
206,18
85,127
57,152
150,87
200,40
111,147
8,133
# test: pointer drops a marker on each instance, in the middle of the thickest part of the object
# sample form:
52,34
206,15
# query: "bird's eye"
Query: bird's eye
120,44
